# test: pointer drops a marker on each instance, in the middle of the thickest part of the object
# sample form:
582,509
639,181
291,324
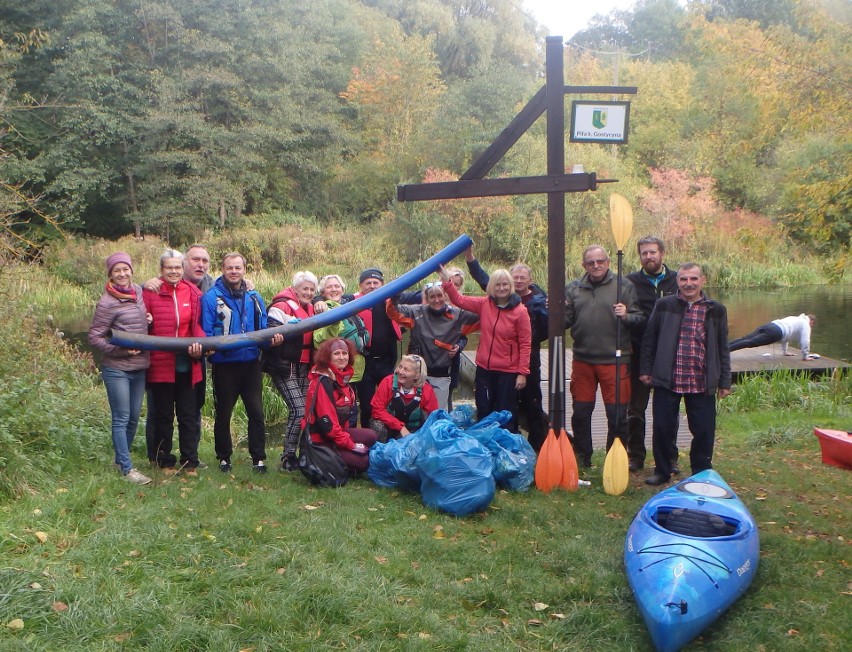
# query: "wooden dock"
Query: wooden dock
765,358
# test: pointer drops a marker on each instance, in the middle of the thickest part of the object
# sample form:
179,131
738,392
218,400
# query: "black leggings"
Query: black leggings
762,335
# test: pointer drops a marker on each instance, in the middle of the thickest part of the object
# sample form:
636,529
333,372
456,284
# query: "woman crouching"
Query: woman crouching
403,400
333,401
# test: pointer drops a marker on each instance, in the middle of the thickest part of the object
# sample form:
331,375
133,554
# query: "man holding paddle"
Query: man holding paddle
593,313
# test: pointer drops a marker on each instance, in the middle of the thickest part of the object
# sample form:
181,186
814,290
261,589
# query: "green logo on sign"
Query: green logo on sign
599,118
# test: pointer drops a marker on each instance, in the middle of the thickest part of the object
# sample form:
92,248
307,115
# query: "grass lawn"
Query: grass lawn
249,562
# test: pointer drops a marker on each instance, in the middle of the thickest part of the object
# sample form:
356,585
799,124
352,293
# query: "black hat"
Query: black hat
372,272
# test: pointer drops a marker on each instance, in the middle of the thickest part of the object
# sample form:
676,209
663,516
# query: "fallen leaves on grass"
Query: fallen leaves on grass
59,606
535,622
540,606
381,560
16,625
41,536
439,532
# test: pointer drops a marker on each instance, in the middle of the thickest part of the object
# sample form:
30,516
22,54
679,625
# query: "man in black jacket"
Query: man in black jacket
653,281
685,356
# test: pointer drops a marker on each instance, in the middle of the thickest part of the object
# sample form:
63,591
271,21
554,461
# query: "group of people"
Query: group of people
674,340
341,372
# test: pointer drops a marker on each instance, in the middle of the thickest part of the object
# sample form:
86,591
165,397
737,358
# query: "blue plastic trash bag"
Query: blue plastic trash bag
463,415
456,469
394,464
514,457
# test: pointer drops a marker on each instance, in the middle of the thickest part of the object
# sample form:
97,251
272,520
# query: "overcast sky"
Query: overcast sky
567,17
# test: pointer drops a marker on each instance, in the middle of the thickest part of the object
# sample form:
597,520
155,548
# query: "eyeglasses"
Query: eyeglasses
436,284
596,263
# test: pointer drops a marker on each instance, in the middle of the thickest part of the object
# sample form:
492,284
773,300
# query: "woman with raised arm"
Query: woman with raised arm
503,355
438,331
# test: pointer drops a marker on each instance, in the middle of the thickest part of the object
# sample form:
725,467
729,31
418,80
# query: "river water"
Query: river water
747,309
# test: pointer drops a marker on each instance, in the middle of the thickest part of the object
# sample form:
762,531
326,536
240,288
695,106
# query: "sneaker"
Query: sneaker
656,480
259,467
136,478
224,466
289,464
201,466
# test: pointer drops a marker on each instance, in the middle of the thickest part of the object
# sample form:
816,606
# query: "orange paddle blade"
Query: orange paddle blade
570,479
616,473
548,467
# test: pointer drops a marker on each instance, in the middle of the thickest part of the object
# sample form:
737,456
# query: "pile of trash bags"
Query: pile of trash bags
455,470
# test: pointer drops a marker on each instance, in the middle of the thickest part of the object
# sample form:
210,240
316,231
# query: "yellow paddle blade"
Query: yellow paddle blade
621,217
615,471
548,467
570,475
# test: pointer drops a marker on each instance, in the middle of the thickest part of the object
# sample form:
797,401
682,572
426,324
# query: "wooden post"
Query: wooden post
555,81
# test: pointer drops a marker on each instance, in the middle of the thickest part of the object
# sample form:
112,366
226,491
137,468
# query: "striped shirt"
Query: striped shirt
690,368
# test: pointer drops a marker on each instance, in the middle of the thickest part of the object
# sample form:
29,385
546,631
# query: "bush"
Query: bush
52,411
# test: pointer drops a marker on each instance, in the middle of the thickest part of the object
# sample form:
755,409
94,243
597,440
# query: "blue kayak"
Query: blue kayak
691,551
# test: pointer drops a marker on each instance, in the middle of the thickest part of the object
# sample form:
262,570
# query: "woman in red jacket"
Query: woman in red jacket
503,355
176,312
332,401
403,400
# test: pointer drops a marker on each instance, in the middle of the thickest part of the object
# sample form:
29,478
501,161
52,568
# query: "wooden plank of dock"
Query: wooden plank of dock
770,358
764,358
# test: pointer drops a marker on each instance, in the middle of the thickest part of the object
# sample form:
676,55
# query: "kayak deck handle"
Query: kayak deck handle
682,606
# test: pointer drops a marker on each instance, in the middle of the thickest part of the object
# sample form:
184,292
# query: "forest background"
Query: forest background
182,121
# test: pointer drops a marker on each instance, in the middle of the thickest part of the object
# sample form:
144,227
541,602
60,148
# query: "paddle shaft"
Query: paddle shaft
619,257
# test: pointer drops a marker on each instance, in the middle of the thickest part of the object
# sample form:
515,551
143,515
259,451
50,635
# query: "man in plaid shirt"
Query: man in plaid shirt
685,355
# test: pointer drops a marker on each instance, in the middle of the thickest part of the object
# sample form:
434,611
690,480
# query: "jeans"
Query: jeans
125,390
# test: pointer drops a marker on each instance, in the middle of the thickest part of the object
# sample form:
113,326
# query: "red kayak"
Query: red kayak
836,447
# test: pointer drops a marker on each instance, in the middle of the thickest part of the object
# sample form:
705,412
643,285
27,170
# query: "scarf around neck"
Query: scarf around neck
122,294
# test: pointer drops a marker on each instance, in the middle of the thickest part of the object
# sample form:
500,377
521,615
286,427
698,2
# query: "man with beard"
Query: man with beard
653,281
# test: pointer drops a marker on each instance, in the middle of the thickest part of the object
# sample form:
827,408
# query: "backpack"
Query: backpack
321,465
356,332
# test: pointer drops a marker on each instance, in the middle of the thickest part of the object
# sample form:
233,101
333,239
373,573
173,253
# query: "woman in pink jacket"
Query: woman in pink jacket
123,370
175,312
503,355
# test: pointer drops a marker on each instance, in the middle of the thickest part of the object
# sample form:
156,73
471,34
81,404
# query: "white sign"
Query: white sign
599,122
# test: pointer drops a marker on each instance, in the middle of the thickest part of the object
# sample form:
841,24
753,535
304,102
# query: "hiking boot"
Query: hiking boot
136,478
259,467
675,469
289,464
635,465
656,480
190,472
169,471
224,466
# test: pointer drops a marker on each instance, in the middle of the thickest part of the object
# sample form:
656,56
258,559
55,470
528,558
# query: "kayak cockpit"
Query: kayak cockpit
695,522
